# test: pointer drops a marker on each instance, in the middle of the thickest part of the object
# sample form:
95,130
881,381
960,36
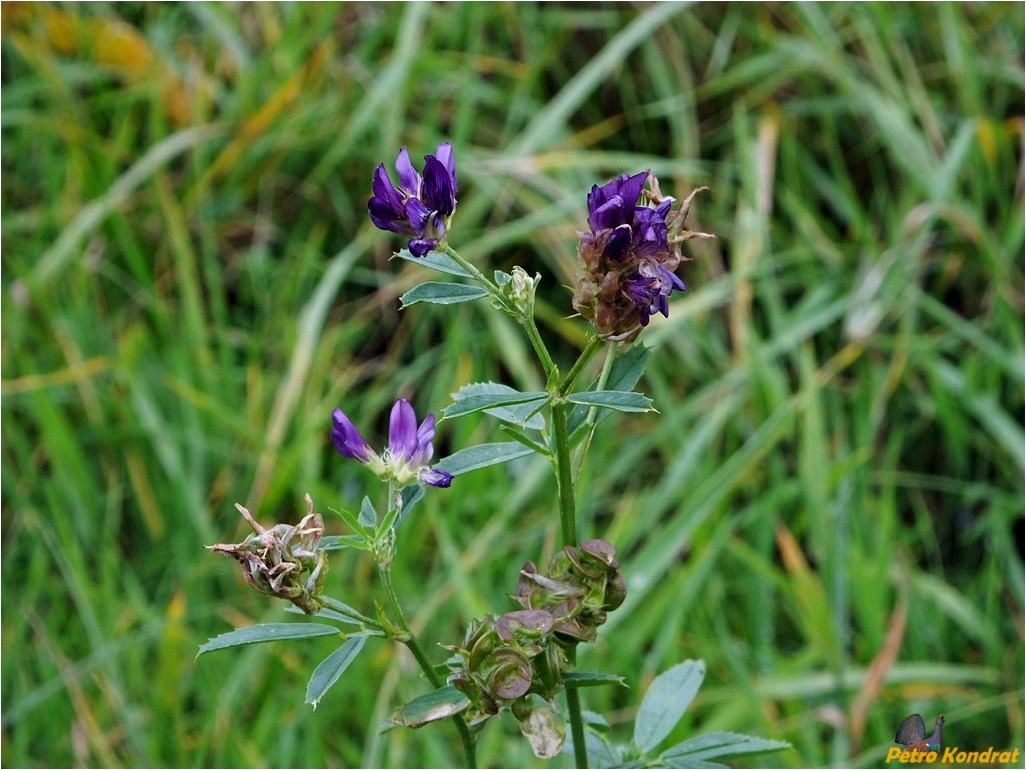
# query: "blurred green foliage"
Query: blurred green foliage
828,508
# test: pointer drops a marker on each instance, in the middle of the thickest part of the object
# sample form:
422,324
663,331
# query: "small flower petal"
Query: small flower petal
417,215
347,438
672,279
438,192
434,477
445,155
425,435
409,179
630,187
618,244
419,247
609,215
402,431
387,210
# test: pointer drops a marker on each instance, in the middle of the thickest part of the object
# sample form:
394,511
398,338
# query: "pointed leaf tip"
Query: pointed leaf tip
665,702
266,632
439,293
332,667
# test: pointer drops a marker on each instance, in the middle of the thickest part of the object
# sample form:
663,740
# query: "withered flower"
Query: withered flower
283,560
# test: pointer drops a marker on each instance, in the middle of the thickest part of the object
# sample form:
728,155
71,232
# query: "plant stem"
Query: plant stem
413,645
571,377
573,708
564,474
564,470
568,524
591,421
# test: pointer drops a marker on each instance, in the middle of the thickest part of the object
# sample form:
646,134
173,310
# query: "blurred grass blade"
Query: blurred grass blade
716,745
55,258
549,123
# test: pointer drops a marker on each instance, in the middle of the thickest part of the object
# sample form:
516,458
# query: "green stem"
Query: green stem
591,421
564,473
551,372
413,645
526,321
561,439
571,377
573,707
568,524
478,276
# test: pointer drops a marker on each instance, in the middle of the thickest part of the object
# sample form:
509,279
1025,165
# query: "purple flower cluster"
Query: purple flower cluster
409,447
421,207
627,257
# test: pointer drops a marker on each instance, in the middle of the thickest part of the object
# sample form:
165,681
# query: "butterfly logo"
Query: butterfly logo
912,733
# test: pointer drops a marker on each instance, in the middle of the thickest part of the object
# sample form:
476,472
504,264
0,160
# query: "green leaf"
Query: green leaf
693,764
338,542
601,752
410,496
627,369
519,414
352,617
439,293
481,456
665,703
624,374
368,516
353,522
436,260
437,704
332,667
714,745
534,446
621,400
588,679
266,632
472,404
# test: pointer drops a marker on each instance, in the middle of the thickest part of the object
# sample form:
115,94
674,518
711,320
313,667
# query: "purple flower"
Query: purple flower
422,206
409,447
629,255
649,289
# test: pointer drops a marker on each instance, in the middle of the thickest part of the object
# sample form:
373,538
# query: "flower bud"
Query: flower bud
519,288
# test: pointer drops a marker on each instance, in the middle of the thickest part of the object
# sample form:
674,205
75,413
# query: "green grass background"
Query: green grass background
191,284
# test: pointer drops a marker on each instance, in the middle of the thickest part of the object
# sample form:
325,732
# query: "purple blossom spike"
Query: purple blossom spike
421,207
629,255
409,449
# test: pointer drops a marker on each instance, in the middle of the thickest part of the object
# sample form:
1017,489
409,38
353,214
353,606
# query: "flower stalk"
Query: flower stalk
568,528
413,645
527,321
